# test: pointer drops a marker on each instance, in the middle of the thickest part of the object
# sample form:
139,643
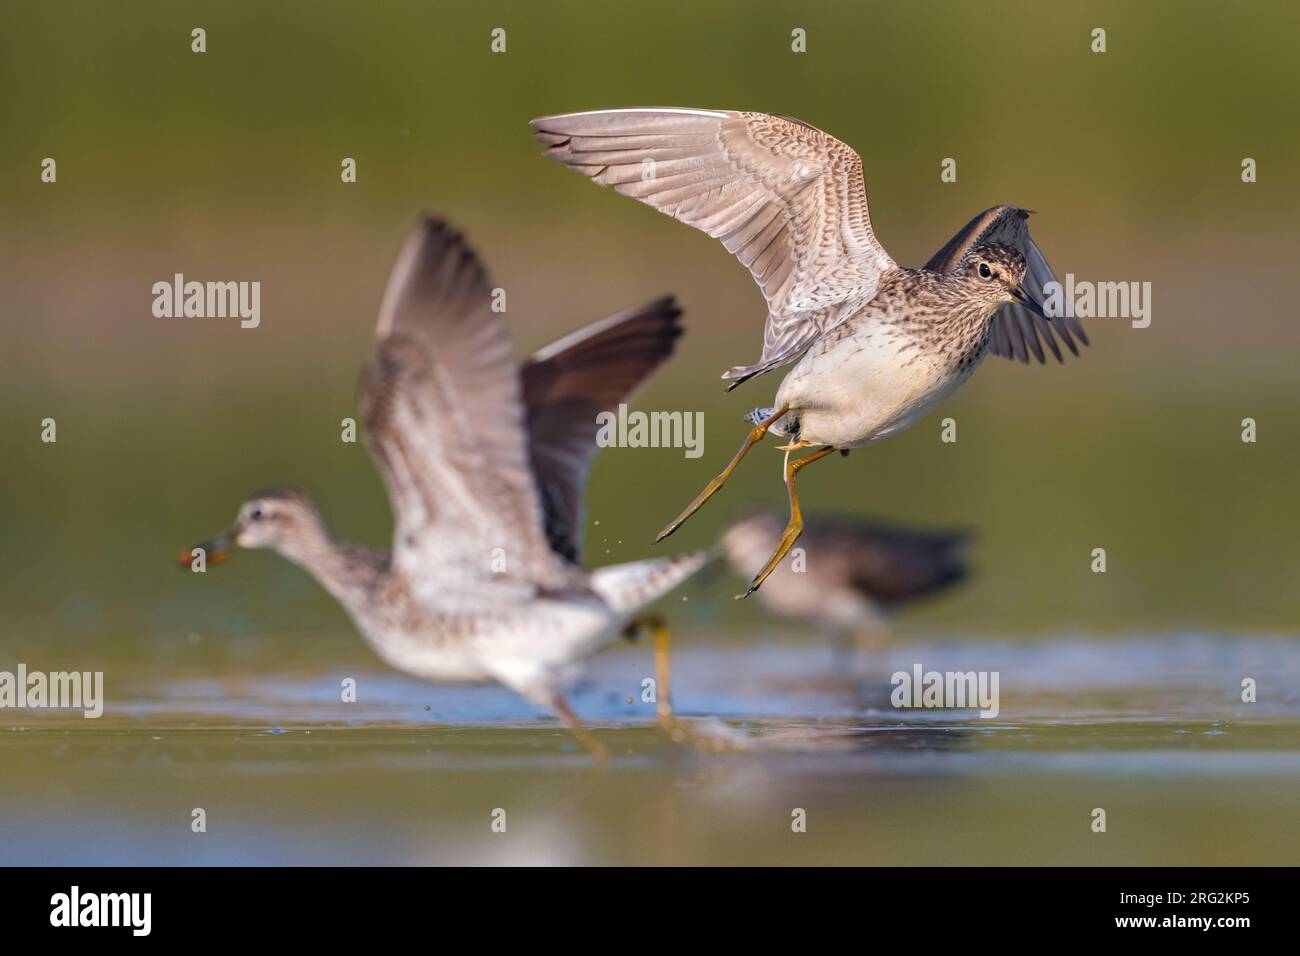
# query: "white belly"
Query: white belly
541,636
865,387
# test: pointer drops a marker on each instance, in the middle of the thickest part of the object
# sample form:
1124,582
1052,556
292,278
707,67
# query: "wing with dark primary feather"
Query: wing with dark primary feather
1015,331
444,420
888,563
567,384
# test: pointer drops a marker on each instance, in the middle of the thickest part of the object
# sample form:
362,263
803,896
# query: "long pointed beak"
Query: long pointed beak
216,550
1025,299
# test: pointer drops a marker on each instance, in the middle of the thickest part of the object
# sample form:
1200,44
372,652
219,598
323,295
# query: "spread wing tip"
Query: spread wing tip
433,237
431,228
437,271
666,309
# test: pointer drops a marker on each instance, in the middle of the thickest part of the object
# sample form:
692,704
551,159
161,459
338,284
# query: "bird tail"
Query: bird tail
628,587
952,547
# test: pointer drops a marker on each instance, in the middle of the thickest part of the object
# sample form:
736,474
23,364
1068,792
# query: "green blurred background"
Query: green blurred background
225,166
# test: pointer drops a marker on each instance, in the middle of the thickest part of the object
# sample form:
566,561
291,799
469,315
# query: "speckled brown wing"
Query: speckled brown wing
568,384
1015,331
444,419
786,198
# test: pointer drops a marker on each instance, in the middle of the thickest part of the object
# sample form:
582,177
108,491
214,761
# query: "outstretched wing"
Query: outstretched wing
786,198
444,419
567,384
1016,329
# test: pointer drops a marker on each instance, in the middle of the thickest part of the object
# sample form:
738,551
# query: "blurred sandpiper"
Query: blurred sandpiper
485,464
877,346
852,573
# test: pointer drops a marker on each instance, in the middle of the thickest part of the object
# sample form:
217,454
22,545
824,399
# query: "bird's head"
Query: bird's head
285,521
995,273
747,542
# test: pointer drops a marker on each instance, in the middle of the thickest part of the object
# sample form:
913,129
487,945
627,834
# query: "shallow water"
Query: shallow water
1151,730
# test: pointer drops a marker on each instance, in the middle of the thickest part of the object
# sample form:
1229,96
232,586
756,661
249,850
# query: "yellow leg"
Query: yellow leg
755,436
663,651
795,527
561,707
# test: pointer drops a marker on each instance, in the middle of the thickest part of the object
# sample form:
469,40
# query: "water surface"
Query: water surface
1152,730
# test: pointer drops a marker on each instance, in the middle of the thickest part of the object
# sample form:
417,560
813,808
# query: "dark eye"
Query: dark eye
256,514
984,271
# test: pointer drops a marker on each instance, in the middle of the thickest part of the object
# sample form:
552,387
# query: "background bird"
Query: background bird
875,346
485,463
849,572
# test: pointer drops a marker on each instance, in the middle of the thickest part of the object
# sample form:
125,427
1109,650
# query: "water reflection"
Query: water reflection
1152,729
